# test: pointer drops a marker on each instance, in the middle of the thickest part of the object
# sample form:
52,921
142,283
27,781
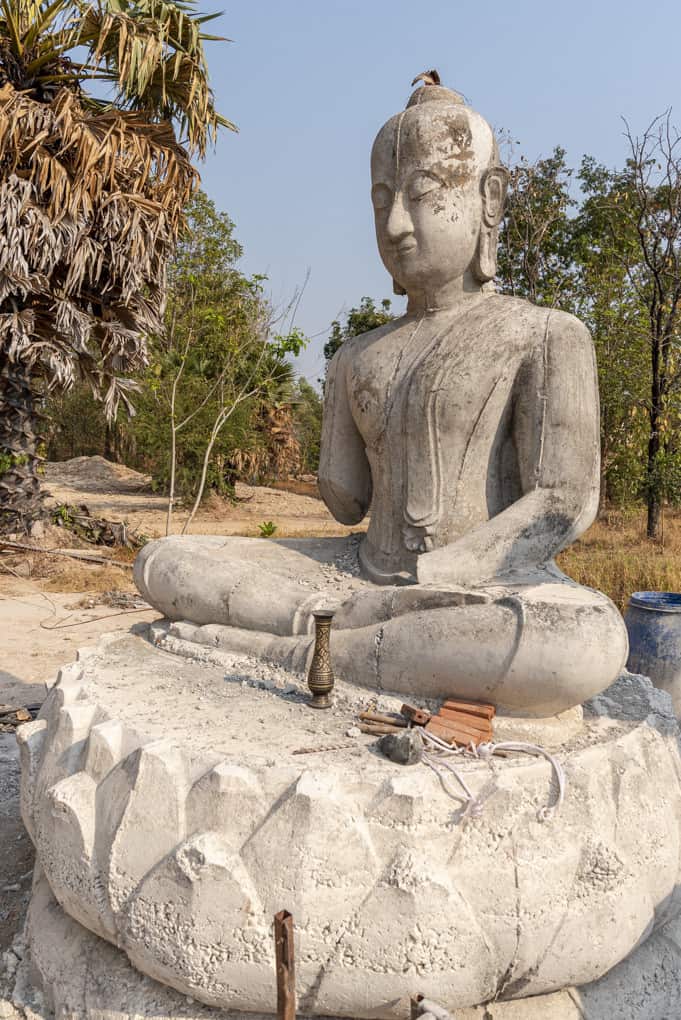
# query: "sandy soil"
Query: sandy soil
56,605
47,612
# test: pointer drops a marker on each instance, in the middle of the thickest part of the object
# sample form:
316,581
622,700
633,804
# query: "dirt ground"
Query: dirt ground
50,606
119,493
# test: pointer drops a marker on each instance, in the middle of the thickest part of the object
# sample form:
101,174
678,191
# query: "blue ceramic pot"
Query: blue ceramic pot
653,620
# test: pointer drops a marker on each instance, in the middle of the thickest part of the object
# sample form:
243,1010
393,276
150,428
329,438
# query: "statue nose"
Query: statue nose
399,223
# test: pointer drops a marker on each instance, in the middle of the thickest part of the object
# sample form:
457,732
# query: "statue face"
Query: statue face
426,169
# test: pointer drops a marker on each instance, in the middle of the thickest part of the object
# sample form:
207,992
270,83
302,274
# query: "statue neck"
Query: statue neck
448,296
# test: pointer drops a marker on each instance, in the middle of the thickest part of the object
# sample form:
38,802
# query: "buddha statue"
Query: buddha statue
468,429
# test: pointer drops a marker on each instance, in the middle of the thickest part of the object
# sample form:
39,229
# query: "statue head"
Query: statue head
438,193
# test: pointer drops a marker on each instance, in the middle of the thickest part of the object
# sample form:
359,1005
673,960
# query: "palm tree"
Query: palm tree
102,106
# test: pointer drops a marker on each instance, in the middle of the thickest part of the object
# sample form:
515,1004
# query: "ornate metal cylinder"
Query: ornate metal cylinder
320,677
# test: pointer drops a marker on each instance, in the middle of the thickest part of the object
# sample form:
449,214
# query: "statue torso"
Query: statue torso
433,398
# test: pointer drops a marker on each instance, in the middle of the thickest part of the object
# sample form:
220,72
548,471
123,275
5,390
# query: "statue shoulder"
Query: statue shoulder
546,325
361,340
354,345
565,324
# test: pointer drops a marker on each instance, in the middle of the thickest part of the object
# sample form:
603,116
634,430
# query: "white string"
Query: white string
440,755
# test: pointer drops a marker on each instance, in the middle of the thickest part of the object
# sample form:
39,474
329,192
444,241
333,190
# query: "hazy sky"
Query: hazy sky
309,82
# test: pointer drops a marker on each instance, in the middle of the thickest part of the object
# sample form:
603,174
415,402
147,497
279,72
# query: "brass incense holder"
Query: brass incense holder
320,677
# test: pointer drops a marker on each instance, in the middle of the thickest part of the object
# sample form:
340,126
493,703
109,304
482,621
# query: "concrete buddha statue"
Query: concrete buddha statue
469,430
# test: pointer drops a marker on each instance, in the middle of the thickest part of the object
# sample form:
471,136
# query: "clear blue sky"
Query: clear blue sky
309,82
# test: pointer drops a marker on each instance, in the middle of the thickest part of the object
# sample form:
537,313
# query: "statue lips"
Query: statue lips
406,247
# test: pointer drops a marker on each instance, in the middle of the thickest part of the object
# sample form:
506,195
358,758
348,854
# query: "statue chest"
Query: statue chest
436,390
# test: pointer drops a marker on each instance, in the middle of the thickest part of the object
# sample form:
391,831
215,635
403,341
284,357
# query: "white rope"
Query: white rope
440,754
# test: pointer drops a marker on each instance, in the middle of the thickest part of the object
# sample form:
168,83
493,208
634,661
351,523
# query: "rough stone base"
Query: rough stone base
61,971
173,815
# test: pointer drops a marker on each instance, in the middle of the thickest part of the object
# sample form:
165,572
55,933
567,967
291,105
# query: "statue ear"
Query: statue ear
493,187
398,289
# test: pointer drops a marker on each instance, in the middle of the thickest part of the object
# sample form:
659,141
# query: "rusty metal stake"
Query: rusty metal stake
285,964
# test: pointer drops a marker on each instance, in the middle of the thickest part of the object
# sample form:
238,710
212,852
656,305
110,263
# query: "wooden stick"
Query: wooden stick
377,729
285,964
389,720
22,547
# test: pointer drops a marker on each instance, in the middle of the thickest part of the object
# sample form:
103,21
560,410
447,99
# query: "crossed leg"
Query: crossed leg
534,649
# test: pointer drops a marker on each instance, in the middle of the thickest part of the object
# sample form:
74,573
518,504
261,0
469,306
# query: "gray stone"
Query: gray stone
470,427
404,748
178,843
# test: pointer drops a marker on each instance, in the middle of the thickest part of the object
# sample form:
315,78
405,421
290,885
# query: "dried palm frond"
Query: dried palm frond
150,51
91,198
88,221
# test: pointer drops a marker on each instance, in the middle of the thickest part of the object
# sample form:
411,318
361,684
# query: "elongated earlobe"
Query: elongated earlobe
493,188
485,261
398,289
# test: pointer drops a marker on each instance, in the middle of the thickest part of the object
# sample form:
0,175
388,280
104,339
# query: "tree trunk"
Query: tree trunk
603,492
109,443
653,486
653,480
21,501
654,517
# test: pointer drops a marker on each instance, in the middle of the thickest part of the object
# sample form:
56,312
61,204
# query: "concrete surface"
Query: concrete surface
172,819
470,427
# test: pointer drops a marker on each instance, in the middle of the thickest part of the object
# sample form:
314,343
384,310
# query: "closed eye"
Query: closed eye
422,183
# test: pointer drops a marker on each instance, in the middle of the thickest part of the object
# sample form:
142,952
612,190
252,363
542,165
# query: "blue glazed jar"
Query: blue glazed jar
653,620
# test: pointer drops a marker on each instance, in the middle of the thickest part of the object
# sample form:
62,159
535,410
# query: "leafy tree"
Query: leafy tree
536,253
559,251
91,197
639,211
217,337
217,370
651,185
211,315
606,302
357,321
307,410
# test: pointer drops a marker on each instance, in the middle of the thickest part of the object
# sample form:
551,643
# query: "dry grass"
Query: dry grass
63,574
616,557
88,577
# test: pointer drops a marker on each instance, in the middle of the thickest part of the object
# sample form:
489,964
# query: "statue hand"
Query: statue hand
417,539
450,566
